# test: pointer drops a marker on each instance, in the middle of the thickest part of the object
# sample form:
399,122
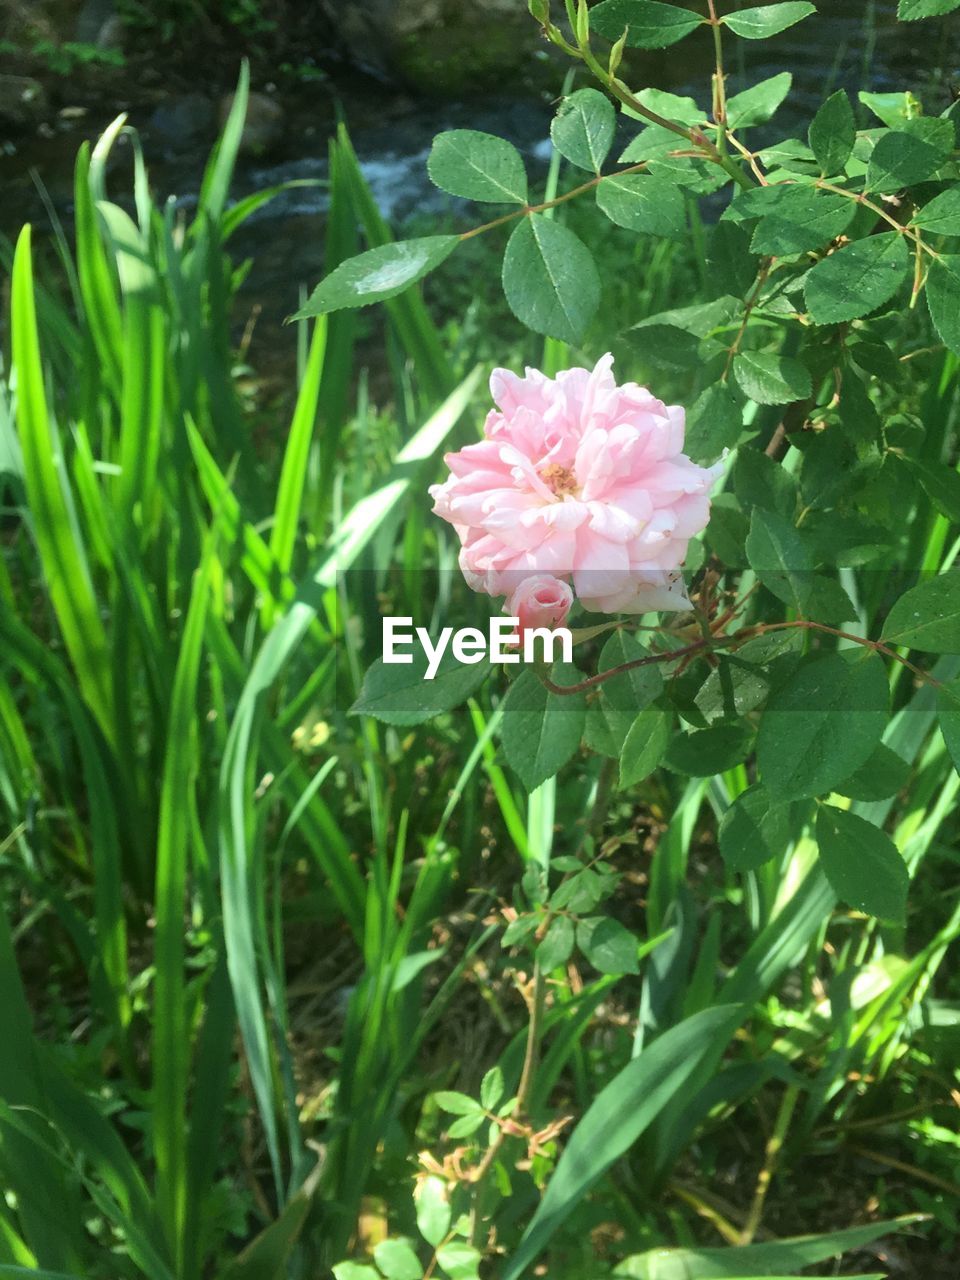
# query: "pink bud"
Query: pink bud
540,601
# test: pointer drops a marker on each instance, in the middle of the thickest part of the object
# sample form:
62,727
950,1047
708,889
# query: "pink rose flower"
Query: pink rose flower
540,601
582,480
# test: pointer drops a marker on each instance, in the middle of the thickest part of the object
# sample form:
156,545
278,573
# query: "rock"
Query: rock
184,123
263,127
438,46
23,102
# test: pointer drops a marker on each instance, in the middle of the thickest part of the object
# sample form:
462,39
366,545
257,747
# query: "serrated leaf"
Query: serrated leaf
433,1210
550,279
943,299
557,944
864,866
608,945
941,215
583,128
914,10
758,103
644,745
857,278
894,109
753,830
541,730
623,696
518,929
948,716
459,1261
771,379
707,752
833,132
641,203
941,485
822,724
355,1271
378,274
397,1260
648,23
478,166
714,423
466,1125
758,481
780,558
491,1088
802,219
401,694
884,774
910,154
457,1104
927,617
767,20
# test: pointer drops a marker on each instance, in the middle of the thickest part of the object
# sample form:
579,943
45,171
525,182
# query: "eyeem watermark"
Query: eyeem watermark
469,645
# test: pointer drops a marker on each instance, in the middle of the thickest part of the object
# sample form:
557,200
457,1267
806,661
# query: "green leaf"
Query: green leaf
648,24
802,219
641,203
608,946
377,274
832,133
459,1261
616,1118
714,423
456,1104
758,481
857,278
822,724
883,775
397,1260
557,944
541,730
583,128
863,865
913,10
355,1271
758,103
948,715
623,696
466,1125
943,299
739,683
753,830
644,746
478,166
518,929
550,279
401,694
927,617
780,558
707,752
491,1088
894,109
910,153
771,379
940,483
767,20
940,215
433,1210
771,1259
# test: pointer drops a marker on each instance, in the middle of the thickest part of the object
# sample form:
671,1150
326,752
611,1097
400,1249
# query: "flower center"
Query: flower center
560,480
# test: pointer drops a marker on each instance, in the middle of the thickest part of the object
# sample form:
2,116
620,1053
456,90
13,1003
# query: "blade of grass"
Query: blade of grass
58,540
